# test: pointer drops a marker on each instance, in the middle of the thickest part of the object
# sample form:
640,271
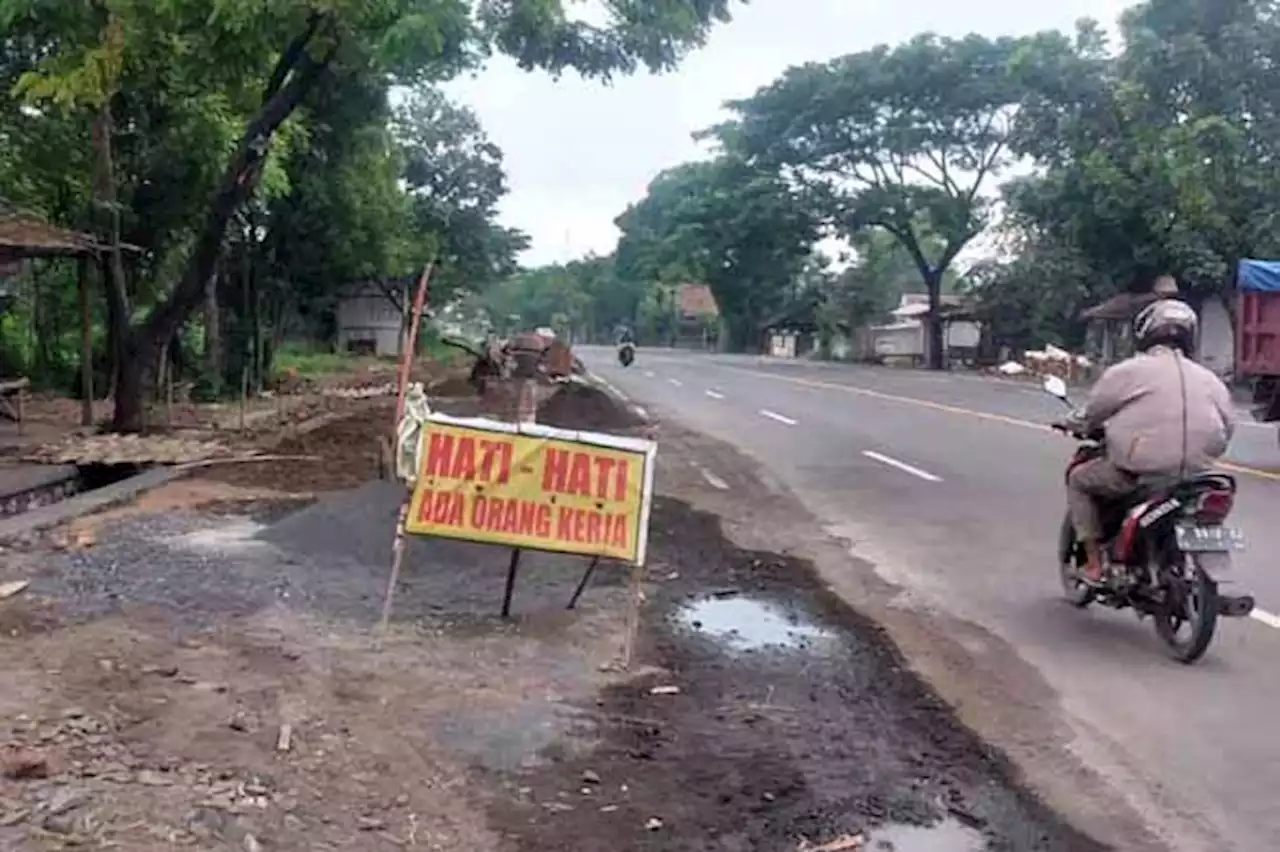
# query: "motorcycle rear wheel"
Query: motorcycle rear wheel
1070,559
1192,603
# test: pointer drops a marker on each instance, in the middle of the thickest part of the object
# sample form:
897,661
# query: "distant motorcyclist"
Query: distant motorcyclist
626,347
1164,417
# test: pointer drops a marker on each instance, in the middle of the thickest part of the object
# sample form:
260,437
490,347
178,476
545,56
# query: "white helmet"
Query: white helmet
1170,322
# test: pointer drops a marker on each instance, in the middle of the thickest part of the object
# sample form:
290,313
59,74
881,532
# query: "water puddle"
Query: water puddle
946,836
747,625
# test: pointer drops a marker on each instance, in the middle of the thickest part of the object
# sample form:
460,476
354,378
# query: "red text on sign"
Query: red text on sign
584,474
467,458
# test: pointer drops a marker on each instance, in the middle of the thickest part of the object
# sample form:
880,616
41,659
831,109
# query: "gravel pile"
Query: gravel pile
330,559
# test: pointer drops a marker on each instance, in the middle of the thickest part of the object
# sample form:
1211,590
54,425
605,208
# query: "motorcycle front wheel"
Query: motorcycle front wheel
1188,617
1070,560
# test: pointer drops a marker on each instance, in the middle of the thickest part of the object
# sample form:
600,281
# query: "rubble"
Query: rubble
113,449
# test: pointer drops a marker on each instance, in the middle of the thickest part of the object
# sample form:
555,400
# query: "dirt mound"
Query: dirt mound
346,449
580,406
452,387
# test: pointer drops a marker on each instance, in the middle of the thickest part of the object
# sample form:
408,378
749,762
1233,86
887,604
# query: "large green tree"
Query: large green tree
744,232
248,66
455,178
1162,157
900,139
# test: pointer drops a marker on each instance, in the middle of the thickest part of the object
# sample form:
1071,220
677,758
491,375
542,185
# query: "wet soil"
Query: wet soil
801,725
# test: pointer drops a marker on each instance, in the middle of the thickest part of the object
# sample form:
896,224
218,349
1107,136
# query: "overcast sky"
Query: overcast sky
578,153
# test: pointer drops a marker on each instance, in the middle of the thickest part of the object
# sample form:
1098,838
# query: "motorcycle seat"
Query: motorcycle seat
1158,487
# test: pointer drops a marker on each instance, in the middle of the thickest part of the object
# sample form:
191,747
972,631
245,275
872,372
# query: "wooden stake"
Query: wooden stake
633,615
410,345
167,372
86,345
397,558
244,393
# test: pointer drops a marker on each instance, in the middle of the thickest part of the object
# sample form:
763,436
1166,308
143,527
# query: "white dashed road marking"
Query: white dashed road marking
902,466
648,374
1267,618
676,382
715,394
773,415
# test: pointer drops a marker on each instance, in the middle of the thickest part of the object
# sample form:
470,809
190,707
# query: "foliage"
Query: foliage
900,139
584,299
1162,159
742,231
455,180
190,114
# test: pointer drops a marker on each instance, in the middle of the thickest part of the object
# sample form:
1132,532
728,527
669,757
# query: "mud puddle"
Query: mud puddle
749,624
947,836
754,753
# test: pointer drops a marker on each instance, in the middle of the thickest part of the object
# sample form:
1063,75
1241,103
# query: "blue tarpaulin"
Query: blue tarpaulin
1259,276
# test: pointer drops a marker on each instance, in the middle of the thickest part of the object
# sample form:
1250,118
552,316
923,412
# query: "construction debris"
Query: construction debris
8,590
115,449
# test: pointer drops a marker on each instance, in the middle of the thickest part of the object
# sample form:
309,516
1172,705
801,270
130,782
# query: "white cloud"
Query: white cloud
578,152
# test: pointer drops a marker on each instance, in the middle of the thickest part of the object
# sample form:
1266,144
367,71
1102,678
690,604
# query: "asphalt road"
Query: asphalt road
950,485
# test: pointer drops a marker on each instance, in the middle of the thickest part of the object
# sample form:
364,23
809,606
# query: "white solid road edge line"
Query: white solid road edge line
902,466
715,394
773,415
1266,618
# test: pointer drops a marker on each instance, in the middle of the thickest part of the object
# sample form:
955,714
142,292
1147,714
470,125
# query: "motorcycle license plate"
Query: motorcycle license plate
1193,538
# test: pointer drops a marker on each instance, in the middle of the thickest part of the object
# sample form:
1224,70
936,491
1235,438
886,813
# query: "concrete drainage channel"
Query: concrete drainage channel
36,486
36,497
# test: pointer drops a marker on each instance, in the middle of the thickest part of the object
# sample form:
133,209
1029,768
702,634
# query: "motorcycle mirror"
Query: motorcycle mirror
1055,386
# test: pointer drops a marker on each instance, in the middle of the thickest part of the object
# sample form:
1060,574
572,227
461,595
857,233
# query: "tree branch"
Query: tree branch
235,187
291,56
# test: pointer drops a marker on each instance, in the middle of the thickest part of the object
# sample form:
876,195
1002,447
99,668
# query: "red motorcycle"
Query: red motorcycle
1169,545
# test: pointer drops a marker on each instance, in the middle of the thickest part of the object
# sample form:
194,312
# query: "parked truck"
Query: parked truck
1258,334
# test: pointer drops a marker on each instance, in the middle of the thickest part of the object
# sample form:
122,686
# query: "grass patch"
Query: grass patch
313,362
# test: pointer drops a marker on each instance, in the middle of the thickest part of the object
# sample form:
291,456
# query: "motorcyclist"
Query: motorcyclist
1164,417
626,337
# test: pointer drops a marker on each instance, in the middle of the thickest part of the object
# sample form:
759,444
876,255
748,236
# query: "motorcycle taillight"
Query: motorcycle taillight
1212,507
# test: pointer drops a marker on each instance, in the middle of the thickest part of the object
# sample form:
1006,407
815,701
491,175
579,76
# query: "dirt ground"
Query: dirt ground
201,672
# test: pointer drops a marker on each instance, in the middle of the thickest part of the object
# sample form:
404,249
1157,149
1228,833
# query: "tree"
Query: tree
584,298
743,232
258,62
897,139
1164,157
455,178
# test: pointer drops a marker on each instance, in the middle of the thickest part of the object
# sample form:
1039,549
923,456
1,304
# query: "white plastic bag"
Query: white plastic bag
409,434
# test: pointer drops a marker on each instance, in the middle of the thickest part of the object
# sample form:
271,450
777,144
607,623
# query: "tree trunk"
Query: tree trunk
106,202
133,386
292,79
934,328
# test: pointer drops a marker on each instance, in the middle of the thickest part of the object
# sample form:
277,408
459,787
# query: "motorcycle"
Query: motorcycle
1169,547
626,353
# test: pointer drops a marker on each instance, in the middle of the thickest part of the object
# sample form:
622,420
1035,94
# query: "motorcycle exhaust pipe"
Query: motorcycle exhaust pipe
1235,606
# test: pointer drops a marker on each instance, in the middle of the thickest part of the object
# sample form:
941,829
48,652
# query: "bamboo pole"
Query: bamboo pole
402,384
